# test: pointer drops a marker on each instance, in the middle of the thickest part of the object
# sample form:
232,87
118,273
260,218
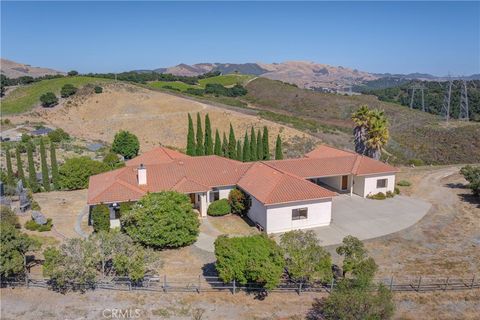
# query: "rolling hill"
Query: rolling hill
13,69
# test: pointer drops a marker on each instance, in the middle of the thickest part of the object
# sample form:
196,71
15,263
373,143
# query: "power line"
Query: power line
446,100
464,115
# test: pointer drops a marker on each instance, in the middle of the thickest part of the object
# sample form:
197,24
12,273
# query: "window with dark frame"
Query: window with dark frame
214,195
300,214
381,183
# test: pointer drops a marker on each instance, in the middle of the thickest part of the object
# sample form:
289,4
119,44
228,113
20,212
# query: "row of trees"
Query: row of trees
144,77
49,99
253,147
259,259
32,182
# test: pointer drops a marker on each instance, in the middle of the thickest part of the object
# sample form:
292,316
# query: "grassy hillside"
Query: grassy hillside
414,134
25,98
225,80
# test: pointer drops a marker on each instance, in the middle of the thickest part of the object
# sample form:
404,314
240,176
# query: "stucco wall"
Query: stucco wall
279,217
367,185
336,182
258,213
223,193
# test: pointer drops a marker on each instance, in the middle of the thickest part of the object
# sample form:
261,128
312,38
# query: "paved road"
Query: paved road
367,219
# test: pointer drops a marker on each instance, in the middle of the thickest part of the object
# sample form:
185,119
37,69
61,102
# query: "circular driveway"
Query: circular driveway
366,218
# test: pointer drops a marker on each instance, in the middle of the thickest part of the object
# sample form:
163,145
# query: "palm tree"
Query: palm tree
360,118
370,132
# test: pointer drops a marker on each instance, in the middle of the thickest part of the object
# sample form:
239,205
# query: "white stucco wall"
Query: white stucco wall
258,213
223,193
367,185
279,217
336,182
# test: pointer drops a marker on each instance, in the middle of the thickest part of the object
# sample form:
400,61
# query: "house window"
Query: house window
214,195
299,214
381,183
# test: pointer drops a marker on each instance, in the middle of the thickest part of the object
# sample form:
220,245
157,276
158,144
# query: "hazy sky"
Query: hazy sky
431,37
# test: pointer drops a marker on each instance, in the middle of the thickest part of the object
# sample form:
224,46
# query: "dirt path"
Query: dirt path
446,241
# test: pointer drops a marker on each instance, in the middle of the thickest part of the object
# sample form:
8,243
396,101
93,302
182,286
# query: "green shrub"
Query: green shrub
101,218
126,144
74,173
416,162
239,201
48,99
35,206
58,135
98,89
396,190
390,194
219,208
68,90
7,215
472,175
378,196
33,226
404,183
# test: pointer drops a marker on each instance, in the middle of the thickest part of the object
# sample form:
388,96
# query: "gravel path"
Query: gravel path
78,222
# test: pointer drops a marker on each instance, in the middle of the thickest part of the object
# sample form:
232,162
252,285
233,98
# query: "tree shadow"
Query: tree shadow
456,185
465,197
315,313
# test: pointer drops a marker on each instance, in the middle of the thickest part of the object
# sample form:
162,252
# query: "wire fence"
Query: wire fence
215,284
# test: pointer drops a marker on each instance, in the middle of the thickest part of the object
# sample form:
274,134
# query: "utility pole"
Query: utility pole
446,100
415,87
464,115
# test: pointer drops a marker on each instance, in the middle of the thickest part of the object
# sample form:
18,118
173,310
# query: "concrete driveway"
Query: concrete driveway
366,219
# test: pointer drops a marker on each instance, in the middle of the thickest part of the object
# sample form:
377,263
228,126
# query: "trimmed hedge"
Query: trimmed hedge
219,208
404,183
101,218
378,196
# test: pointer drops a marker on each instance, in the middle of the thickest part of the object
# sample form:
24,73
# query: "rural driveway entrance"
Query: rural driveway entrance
366,218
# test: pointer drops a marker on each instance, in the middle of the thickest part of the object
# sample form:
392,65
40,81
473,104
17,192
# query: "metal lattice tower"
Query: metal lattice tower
463,115
446,100
422,89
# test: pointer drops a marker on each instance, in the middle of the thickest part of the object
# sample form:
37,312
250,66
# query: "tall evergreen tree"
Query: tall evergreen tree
246,148
208,137
265,145
239,151
225,146
218,144
32,174
278,149
10,177
43,161
54,166
200,151
232,143
20,173
191,148
259,145
253,146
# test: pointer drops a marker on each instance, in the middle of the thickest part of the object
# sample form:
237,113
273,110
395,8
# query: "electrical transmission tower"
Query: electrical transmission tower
463,115
446,100
415,87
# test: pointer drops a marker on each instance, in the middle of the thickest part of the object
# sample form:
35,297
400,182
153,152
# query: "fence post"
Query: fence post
199,279
446,284
129,285
233,286
164,283
300,288
419,283
473,281
26,280
331,285
391,283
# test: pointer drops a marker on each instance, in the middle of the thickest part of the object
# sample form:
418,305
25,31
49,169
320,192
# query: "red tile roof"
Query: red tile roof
270,182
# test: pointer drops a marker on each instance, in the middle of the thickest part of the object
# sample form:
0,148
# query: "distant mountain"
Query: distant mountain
13,69
426,76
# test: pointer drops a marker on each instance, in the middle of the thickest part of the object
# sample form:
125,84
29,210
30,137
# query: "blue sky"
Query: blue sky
431,37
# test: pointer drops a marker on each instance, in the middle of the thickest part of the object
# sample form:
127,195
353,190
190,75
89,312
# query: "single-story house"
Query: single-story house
285,194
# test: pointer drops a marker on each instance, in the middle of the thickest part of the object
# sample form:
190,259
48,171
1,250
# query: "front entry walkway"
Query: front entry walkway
366,218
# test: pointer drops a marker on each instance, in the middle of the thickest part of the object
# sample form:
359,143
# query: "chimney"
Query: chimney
142,175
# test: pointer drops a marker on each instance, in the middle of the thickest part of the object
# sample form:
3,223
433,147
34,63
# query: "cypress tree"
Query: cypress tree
278,149
246,148
200,151
253,146
191,148
259,146
225,146
218,144
54,166
10,177
239,151
32,174
208,137
266,147
43,160
232,143
20,173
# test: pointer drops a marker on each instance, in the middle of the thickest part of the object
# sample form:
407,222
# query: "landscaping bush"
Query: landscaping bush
219,208
7,215
472,175
126,144
416,162
378,196
396,190
162,220
249,259
390,194
58,135
101,218
33,226
74,173
239,201
404,183
67,90
48,99
98,89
